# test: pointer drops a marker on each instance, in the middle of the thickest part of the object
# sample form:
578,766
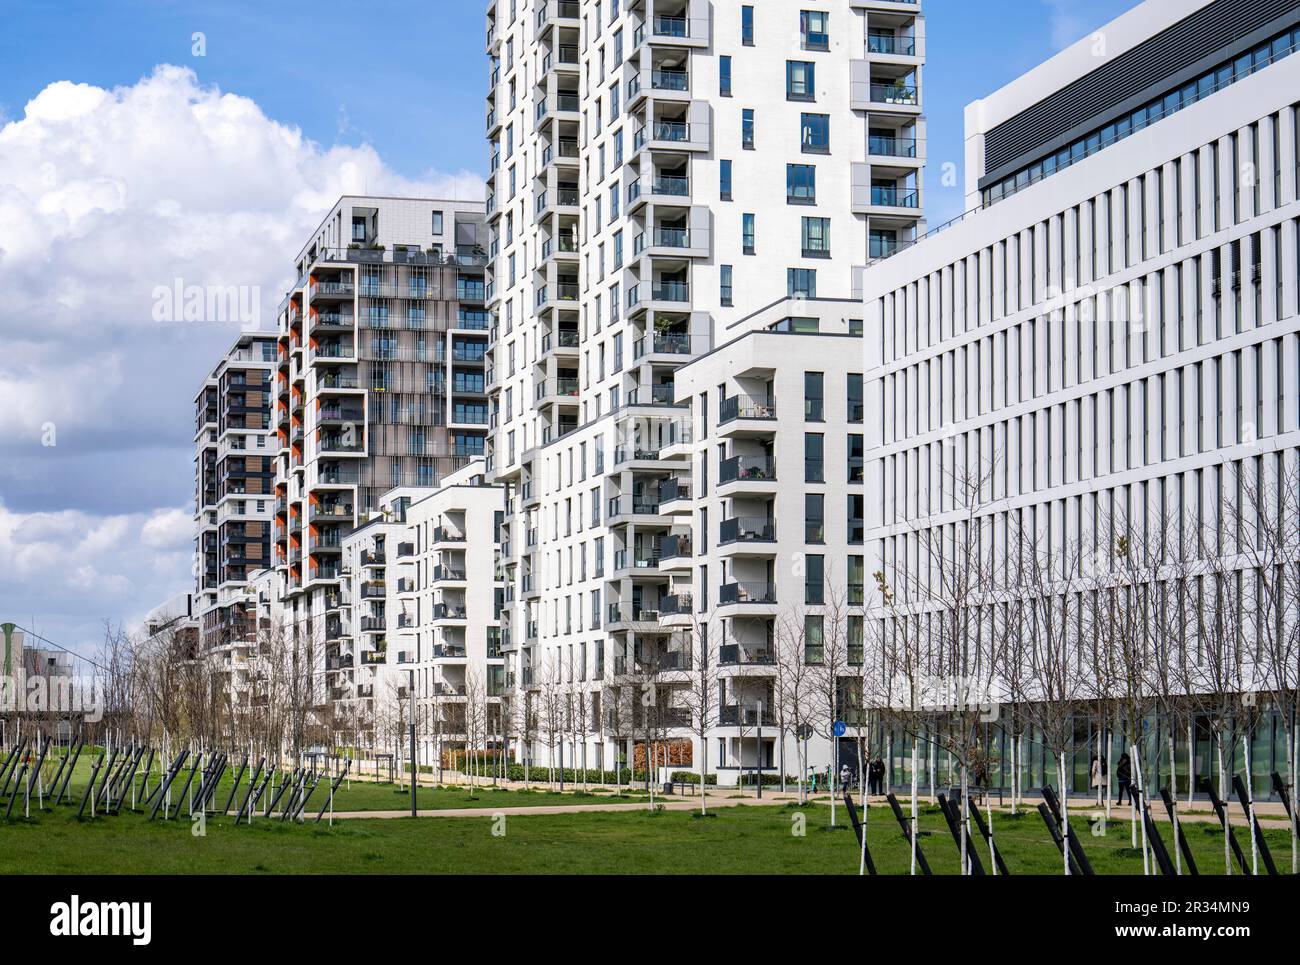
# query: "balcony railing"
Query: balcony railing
891,146
747,593
747,529
734,655
676,546
744,407
893,198
747,468
671,489
893,94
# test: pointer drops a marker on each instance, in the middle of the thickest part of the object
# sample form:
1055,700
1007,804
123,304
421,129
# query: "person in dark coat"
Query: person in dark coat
1124,776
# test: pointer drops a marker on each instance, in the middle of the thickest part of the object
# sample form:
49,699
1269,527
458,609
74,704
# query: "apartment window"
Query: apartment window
815,133
801,282
747,233
814,579
724,180
813,28
437,222
724,76
816,234
814,515
813,468
814,401
747,25
747,129
855,397
856,526
800,80
857,593
814,638
800,184
856,458
724,276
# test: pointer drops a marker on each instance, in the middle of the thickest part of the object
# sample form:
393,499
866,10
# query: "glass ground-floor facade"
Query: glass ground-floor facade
1194,749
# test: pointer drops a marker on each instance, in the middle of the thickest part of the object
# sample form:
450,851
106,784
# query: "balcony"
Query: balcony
735,655
747,529
743,415
893,147
745,594
449,611
675,546
673,490
674,345
732,715
747,469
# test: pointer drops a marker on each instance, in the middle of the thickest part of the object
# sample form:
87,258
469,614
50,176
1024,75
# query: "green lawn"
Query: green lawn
755,840
368,796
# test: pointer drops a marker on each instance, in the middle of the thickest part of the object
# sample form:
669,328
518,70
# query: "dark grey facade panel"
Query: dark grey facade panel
1145,71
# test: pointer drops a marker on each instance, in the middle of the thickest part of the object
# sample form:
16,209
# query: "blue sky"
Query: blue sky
412,82
119,174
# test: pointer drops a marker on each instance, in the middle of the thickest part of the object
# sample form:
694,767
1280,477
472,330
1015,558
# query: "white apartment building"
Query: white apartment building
234,483
379,385
661,170
420,604
1108,344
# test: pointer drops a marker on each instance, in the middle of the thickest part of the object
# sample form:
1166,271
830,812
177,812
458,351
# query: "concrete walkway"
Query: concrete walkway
1269,814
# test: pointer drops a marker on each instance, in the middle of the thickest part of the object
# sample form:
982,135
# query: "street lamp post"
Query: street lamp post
411,727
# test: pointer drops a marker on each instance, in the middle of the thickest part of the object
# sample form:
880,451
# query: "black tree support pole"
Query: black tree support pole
1260,844
1226,824
952,813
10,758
17,761
165,779
125,773
305,797
234,788
1183,846
284,786
907,833
291,802
988,839
255,795
1153,837
215,783
54,781
125,785
1055,830
108,771
90,786
180,798
1072,839
160,792
210,774
1279,788
36,771
858,831
333,787
252,785
109,790
144,778
67,777
22,773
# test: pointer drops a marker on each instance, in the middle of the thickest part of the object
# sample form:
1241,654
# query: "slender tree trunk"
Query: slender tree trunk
1065,813
915,791
1218,747
1173,794
1250,804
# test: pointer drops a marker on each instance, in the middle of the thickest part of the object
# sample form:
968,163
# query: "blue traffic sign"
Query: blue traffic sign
840,729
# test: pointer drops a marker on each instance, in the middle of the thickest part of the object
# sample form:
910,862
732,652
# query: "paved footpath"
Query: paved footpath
1266,818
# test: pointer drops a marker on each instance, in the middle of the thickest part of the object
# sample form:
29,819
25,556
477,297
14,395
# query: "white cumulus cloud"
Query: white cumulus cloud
106,194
